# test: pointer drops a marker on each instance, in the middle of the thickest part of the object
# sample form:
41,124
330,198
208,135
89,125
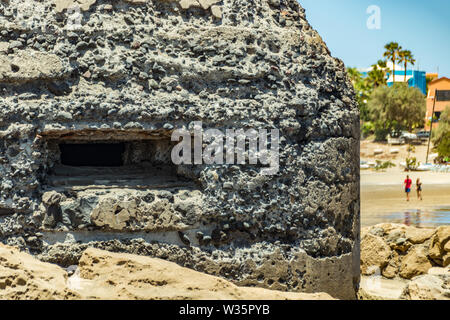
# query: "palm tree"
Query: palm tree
383,66
391,53
377,76
405,56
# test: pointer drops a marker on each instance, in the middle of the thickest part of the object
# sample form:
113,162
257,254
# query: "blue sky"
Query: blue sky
420,26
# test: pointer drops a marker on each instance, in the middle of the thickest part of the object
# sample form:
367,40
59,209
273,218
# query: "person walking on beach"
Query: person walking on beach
419,189
407,184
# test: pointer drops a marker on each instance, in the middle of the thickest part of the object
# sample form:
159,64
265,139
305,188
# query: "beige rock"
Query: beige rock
447,247
439,271
390,271
136,1
379,288
437,245
393,266
123,276
428,287
207,3
388,227
84,5
401,245
114,214
394,235
23,277
446,260
186,4
375,254
4,46
375,230
417,235
28,65
415,263
52,197
61,5
216,12
105,275
423,248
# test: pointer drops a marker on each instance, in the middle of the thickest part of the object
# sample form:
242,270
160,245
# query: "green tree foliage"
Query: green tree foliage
383,108
441,137
377,76
362,91
396,108
383,165
365,85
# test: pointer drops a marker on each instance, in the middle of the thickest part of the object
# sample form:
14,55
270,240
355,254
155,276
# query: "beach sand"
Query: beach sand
383,197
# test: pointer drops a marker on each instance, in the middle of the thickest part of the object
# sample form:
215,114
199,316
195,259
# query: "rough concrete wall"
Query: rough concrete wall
157,65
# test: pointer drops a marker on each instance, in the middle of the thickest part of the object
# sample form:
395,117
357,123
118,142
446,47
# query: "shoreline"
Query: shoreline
396,177
383,199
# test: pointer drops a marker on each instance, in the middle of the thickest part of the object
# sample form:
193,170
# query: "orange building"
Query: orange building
432,76
442,101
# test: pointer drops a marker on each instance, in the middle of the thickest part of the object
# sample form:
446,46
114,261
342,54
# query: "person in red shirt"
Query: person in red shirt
408,184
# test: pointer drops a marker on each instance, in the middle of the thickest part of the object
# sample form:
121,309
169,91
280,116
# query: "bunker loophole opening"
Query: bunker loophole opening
111,160
92,155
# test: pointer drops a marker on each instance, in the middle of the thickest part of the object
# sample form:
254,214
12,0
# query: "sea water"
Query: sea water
435,217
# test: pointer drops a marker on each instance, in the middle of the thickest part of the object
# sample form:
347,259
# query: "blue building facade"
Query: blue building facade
414,78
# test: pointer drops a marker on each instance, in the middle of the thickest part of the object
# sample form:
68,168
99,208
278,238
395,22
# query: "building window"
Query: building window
443,95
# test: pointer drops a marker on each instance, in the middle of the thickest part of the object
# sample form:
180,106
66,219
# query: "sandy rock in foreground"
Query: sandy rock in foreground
438,251
106,275
428,287
379,288
413,263
403,251
375,254
418,236
24,277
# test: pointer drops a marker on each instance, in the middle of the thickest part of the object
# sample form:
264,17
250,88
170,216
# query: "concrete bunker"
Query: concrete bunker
115,180
110,158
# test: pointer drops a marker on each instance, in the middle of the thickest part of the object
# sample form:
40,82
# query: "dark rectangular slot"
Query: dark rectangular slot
443,95
6,211
92,155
